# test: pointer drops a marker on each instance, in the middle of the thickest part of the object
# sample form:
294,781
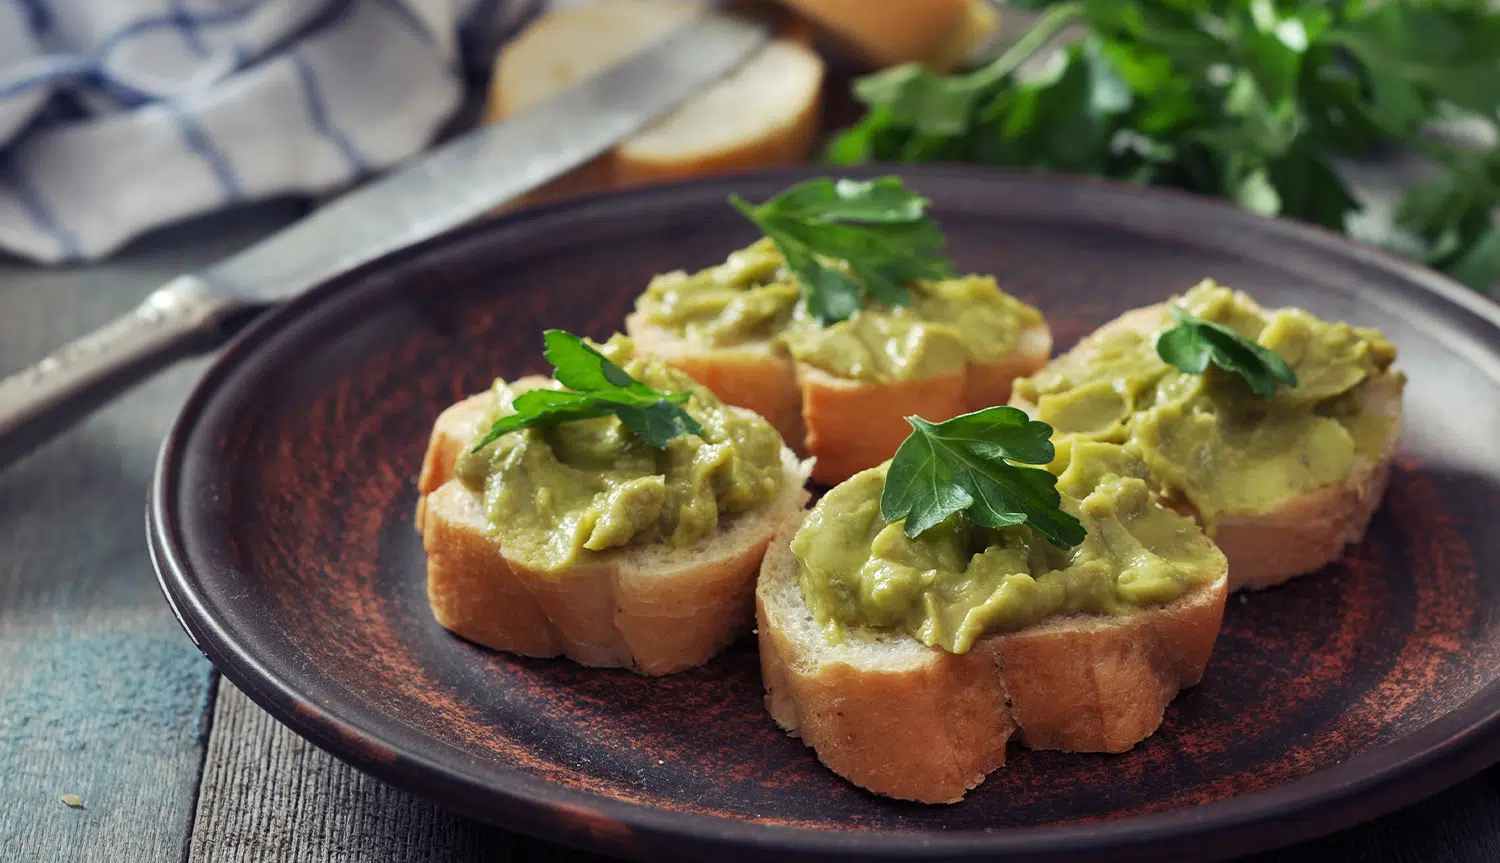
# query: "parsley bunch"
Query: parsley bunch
596,388
1251,100
876,229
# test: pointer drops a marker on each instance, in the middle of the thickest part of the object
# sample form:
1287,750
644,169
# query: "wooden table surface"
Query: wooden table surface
103,696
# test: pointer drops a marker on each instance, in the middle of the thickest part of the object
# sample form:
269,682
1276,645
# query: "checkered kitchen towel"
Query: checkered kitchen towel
117,116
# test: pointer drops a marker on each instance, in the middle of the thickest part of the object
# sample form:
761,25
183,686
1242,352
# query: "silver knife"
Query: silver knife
450,185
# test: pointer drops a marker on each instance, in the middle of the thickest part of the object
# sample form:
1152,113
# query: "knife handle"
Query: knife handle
184,317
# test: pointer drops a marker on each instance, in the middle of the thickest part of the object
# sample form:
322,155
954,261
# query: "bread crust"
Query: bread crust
454,428
470,585
853,425
675,146
665,152
1307,532
753,376
1312,530
891,32
653,609
845,425
928,725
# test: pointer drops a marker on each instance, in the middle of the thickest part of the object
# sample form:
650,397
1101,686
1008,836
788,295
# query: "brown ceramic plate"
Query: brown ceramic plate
281,524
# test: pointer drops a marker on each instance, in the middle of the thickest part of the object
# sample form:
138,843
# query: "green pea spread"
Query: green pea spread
1207,439
555,496
753,297
960,580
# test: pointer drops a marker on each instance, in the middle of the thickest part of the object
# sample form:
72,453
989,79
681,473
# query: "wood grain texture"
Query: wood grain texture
101,694
269,795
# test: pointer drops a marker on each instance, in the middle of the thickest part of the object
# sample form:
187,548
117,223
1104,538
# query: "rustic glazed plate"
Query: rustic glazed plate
281,520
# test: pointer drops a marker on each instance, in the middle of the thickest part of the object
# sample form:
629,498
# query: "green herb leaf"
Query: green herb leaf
940,105
849,239
1255,193
597,388
933,104
1453,219
1256,101
967,464
579,367
1479,265
1194,342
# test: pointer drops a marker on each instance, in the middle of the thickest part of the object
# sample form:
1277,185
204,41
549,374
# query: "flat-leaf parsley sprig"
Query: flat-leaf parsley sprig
1193,343
1256,101
876,228
972,464
596,388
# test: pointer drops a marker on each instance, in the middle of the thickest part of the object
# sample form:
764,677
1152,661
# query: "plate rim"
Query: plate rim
1464,741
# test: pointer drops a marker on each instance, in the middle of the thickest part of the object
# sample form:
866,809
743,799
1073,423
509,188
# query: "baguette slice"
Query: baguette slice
1307,532
650,608
918,723
762,114
846,425
937,33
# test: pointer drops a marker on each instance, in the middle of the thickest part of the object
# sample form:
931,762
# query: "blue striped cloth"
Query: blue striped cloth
118,116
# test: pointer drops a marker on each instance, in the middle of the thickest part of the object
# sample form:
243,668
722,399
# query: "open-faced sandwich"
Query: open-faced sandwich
1053,571
1275,429
840,322
616,514
927,609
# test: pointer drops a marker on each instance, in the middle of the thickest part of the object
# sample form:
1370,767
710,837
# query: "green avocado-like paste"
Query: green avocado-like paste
960,580
556,495
753,297
1207,439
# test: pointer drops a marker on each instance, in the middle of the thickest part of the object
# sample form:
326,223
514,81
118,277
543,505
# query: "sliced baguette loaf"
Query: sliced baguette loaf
846,425
764,113
937,33
918,723
1306,533
651,608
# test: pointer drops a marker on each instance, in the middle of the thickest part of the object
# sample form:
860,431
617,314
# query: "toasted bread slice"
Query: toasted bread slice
1308,532
454,429
1311,530
852,425
764,113
651,608
846,425
918,723
937,33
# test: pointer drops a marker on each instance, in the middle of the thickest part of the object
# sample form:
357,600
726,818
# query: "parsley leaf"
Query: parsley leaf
966,465
1256,101
1453,218
1194,342
597,388
849,239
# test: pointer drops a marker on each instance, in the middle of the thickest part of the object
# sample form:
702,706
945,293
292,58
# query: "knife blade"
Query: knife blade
448,186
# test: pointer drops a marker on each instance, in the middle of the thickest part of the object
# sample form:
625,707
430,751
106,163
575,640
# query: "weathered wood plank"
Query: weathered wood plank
101,694
267,795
